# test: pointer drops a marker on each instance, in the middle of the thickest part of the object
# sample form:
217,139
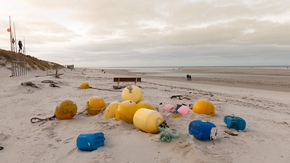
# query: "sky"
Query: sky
147,33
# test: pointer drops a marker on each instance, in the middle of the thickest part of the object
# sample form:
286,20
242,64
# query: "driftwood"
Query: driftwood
119,87
29,84
103,89
51,83
181,97
231,133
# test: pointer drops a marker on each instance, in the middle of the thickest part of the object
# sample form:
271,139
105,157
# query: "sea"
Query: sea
172,71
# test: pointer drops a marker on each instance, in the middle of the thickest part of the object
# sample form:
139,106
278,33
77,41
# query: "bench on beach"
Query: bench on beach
125,79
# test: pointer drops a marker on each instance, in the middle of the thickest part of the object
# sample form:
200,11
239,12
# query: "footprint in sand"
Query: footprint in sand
104,156
165,160
154,137
68,140
51,146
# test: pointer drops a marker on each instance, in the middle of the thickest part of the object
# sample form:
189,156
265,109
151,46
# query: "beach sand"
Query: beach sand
261,99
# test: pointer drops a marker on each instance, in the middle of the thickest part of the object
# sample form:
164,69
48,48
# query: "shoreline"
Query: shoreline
263,79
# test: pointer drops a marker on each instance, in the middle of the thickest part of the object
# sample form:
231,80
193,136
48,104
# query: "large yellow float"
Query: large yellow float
145,104
126,110
66,109
133,93
94,105
147,120
203,106
111,109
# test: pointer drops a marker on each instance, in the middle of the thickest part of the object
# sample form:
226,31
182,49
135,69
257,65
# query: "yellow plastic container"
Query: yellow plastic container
203,106
126,110
147,120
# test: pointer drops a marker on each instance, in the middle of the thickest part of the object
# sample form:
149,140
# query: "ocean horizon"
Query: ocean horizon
249,66
173,71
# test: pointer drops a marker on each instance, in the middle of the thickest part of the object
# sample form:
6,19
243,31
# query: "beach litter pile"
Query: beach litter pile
134,109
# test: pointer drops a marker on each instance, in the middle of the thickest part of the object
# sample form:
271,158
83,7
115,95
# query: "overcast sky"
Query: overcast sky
113,33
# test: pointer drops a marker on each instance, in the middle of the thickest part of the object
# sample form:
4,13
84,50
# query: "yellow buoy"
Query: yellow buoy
94,105
203,106
133,93
66,109
84,85
126,110
142,98
111,109
147,120
145,104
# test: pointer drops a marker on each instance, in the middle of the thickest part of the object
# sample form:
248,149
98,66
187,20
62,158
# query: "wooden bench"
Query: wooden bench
126,79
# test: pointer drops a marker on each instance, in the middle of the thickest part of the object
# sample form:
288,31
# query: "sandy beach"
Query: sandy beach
261,97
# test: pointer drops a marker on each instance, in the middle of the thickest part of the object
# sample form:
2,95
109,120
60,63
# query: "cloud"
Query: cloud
187,32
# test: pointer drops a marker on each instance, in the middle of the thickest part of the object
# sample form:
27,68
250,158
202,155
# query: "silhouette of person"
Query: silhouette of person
188,77
20,46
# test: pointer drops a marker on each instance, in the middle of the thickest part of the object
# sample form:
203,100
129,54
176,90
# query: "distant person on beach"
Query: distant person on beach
20,46
188,77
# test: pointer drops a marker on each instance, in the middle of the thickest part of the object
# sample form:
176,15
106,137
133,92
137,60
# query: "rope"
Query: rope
36,119
43,120
101,110
167,133
103,89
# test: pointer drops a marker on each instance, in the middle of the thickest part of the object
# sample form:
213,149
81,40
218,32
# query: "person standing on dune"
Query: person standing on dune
20,46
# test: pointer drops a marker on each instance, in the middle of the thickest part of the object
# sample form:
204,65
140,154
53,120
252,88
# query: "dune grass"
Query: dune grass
33,63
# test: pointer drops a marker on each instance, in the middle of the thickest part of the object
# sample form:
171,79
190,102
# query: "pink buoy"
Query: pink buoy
168,107
183,110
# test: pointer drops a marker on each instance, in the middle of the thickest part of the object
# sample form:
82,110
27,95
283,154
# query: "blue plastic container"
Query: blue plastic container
235,122
201,129
90,141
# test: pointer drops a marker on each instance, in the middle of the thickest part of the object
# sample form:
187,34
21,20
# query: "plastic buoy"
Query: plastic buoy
126,111
145,104
94,105
66,109
84,85
147,120
111,109
203,106
133,93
